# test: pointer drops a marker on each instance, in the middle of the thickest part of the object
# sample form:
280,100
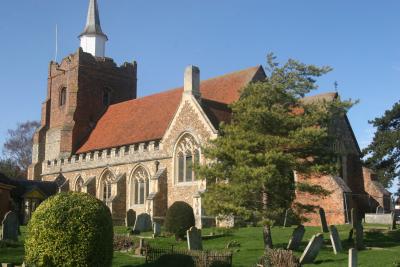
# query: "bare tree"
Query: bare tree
18,145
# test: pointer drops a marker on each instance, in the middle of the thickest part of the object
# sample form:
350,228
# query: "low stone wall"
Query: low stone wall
373,218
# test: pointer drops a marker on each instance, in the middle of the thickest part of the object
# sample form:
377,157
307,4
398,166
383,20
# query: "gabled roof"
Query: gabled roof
147,118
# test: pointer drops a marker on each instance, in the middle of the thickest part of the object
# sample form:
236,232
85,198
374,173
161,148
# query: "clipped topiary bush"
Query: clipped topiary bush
179,219
70,229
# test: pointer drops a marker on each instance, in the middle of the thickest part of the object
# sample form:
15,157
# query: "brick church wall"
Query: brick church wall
333,204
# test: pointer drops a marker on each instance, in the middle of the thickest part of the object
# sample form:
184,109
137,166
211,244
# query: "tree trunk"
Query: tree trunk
267,237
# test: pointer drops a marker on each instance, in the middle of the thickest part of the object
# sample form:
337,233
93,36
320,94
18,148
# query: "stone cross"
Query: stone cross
143,223
324,225
297,237
156,229
335,239
312,249
353,257
130,218
267,237
10,226
194,240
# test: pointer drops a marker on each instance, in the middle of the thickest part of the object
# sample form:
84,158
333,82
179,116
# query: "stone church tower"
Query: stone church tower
79,90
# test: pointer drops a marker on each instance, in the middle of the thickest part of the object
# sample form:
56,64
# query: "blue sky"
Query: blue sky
359,39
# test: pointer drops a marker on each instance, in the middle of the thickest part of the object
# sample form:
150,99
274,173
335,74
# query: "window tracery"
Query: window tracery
140,186
187,155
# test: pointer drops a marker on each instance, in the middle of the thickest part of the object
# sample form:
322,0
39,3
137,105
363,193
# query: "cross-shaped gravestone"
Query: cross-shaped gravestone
194,240
324,225
296,238
10,226
335,239
312,249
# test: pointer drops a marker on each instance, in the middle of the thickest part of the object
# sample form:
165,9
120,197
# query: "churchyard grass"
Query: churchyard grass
384,246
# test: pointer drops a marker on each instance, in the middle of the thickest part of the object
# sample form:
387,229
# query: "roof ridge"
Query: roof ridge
181,87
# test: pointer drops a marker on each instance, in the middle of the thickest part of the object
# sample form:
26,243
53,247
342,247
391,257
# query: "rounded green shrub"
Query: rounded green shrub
70,229
179,219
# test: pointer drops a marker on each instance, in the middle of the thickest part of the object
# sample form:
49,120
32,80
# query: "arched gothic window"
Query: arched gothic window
63,96
187,154
79,184
105,186
140,186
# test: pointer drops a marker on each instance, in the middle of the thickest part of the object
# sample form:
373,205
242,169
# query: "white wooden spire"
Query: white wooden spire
93,40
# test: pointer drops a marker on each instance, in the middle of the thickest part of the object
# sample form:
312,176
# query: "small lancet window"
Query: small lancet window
106,98
63,96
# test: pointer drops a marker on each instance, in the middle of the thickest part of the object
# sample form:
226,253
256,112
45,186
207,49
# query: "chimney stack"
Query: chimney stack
192,81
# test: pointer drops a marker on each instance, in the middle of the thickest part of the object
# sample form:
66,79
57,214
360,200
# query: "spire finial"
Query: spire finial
93,32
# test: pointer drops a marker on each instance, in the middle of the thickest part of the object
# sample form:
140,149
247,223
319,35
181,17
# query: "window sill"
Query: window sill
186,183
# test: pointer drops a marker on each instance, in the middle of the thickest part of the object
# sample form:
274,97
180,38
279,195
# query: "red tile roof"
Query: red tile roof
147,118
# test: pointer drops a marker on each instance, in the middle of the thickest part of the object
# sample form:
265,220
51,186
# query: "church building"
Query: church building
137,154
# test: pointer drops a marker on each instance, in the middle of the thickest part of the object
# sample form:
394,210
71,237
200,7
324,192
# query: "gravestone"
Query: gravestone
143,223
286,221
324,225
312,249
267,237
353,261
194,241
297,237
335,239
130,218
10,226
156,229
380,210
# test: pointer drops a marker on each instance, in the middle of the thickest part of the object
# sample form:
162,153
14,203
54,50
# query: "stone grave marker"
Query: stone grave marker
286,221
130,218
335,239
353,257
297,237
10,226
380,210
312,249
143,223
324,225
156,229
193,236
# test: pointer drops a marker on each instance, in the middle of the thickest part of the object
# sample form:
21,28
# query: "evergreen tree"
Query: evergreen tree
272,134
383,154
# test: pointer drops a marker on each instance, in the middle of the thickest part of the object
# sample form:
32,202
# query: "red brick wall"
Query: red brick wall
332,204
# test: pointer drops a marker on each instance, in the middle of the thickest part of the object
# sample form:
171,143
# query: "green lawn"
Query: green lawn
384,247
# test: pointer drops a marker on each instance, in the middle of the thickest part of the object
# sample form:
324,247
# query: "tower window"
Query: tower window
106,98
63,96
